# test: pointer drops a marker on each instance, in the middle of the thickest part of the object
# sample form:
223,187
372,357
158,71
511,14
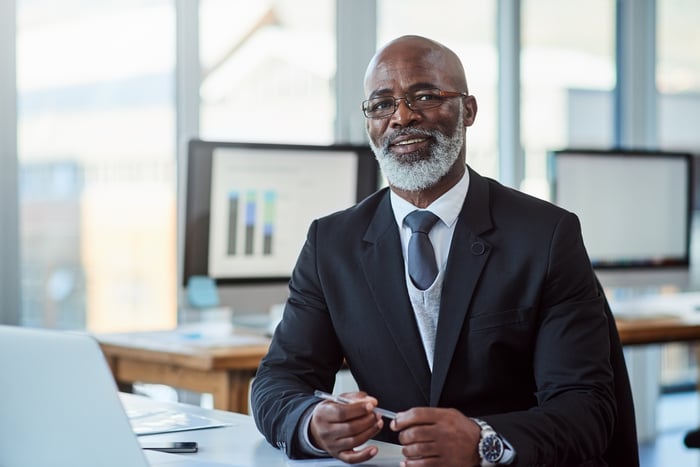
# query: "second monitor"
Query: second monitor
635,206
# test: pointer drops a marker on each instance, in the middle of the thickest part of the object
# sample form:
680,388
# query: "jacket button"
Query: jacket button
478,248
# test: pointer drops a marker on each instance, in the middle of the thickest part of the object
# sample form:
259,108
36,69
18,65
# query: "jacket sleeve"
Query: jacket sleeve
575,415
304,355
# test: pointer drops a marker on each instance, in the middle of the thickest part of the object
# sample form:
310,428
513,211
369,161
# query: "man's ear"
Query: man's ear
470,109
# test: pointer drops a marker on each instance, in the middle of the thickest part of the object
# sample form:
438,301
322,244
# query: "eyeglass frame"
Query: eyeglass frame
441,93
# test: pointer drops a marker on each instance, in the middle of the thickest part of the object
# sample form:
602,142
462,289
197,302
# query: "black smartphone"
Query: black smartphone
167,446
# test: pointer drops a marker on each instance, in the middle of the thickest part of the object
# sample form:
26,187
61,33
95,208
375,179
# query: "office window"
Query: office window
468,28
678,105
678,73
96,163
267,71
568,78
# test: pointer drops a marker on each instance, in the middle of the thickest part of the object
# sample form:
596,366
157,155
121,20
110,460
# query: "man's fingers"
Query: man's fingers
348,442
344,435
356,456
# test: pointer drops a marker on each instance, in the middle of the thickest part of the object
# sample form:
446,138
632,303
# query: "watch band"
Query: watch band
493,449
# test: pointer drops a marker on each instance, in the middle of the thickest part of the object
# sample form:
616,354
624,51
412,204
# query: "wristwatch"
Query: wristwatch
493,449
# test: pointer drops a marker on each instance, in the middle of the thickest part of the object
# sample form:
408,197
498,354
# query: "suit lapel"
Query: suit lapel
468,256
383,266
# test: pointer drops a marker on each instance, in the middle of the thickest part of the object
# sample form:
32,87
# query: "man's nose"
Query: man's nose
403,114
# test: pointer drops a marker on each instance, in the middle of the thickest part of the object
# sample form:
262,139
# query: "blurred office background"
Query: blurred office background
108,92
97,100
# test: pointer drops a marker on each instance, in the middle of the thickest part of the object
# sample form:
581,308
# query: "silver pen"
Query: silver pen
341,400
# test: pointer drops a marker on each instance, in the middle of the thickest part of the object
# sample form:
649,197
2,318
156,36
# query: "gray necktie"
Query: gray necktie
422,266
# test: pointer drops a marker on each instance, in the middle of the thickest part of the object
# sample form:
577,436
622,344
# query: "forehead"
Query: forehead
403,67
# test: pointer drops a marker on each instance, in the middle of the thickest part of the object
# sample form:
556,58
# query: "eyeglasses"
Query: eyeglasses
424,99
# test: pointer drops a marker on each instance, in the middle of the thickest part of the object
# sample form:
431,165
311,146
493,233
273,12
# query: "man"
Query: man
502,357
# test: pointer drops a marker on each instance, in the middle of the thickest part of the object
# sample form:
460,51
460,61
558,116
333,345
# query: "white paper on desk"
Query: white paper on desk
211,335
204,340
151,422
190,337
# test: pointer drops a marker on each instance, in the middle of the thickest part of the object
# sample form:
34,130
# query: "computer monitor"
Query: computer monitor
248,206
635,207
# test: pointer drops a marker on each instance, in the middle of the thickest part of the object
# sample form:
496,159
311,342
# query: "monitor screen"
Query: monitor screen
634,206
249,206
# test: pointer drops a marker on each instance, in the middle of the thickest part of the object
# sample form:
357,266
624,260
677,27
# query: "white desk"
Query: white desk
240,444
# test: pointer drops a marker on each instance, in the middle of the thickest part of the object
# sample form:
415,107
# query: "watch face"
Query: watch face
492,448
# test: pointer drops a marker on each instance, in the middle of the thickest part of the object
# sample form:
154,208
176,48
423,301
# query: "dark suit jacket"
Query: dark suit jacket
522,338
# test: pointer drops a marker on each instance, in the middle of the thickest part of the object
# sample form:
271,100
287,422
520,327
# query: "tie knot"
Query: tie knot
421,221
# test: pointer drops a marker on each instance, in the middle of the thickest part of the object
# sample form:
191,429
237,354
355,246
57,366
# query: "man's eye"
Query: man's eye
381,104
425,97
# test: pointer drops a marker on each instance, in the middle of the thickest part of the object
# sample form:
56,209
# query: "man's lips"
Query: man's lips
409,143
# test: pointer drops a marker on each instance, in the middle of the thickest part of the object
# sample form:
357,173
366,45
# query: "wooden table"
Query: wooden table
220,365
658,319
657,331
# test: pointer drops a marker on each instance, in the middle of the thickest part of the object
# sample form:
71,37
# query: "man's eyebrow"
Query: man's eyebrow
421,86
380,92
412,88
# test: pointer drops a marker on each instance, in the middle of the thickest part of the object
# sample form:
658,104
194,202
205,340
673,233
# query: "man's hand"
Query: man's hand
339,428
437,437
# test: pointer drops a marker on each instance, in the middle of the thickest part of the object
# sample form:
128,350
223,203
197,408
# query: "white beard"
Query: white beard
415,175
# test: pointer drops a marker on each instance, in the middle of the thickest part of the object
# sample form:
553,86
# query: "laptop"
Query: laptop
60,407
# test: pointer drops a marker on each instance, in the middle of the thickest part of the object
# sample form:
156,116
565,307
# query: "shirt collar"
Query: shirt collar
447,207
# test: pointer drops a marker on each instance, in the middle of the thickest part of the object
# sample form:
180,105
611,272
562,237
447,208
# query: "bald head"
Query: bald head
415,51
